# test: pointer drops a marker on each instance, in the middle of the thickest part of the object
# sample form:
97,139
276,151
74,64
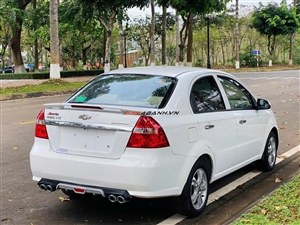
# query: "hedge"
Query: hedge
46,75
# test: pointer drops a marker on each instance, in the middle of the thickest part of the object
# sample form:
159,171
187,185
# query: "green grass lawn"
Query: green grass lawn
281,208
47,86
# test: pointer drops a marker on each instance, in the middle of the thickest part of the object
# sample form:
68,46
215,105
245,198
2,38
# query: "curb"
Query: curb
36,95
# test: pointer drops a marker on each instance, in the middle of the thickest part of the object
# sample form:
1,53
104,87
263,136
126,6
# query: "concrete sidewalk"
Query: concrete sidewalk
16,83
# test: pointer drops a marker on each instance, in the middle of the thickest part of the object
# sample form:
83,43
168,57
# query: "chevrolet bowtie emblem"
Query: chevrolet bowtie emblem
84,117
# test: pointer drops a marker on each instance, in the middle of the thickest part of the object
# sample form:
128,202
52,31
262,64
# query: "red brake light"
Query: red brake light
147,133
40,127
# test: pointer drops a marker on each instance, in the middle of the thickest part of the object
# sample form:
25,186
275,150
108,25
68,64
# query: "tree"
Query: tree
274,20
7,11
106,12
16,38
187,9
79,33
164,24
140,32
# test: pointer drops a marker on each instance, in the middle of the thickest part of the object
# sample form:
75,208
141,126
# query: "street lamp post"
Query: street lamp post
125,50
125,57
208,55
208,17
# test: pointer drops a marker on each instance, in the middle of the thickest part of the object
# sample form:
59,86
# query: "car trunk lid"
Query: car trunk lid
89,130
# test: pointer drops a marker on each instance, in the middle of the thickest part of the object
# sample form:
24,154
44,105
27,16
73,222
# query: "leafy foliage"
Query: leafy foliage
275,20
281,208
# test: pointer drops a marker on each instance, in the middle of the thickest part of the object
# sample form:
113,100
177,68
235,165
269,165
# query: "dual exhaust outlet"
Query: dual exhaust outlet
48,187
120,199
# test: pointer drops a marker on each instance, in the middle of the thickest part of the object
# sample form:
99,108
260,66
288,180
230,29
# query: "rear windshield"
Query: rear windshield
127,89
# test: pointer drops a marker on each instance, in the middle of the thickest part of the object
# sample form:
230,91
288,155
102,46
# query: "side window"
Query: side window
205,96
238,96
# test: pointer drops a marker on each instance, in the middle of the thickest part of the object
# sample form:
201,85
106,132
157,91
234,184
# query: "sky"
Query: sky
141,13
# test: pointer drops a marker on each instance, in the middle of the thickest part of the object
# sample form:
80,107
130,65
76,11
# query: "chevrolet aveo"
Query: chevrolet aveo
153,132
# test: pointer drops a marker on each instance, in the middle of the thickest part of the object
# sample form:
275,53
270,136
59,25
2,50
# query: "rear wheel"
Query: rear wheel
193,198
268,160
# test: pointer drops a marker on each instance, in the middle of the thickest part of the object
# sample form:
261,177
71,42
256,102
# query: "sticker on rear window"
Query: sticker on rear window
80,99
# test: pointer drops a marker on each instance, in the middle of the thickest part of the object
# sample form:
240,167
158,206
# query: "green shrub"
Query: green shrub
46,75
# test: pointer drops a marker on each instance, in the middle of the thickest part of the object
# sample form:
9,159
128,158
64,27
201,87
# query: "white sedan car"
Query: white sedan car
153,132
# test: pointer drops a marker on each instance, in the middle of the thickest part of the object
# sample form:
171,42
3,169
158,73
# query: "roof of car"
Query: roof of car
172,71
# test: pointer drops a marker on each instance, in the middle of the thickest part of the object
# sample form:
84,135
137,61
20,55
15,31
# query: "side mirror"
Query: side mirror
263,104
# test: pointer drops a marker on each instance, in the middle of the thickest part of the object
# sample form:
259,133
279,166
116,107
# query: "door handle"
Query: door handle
243,121
209,126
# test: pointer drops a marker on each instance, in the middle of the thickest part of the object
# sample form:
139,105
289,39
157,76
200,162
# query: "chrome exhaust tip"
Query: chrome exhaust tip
50,188
43,187
112,198
121,199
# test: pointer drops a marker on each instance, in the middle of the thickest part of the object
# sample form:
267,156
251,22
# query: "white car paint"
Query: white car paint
94,153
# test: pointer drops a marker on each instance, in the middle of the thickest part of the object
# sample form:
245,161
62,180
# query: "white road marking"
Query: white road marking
176,218
268,78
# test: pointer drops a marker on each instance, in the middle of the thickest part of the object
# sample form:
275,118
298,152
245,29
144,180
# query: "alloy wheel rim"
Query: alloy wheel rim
271,151
198,190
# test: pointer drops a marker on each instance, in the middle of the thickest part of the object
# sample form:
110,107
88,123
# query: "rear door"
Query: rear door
217,126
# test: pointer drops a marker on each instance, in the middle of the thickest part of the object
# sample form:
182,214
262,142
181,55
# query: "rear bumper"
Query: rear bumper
143,173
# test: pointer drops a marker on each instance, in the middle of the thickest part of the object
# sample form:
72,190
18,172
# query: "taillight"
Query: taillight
147,133
40,127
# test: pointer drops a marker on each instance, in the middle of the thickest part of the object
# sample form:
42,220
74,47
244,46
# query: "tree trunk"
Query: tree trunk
291,42
163,37
223,53
84,55
237,44
54,41
183,38
177,39
189,56
16,39
104,46
121,44
36,51
271,47
291,50
4,45
107,50
109,27
152,53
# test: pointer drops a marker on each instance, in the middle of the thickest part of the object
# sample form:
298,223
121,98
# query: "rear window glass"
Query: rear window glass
126,89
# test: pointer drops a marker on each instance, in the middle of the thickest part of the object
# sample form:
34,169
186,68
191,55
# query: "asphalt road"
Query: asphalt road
22,202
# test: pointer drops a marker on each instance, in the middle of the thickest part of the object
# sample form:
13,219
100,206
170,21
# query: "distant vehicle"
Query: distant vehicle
8,69
42,67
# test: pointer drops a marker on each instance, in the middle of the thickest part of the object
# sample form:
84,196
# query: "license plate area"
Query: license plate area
86,141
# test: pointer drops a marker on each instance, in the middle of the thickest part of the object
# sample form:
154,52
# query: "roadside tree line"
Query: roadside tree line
98,31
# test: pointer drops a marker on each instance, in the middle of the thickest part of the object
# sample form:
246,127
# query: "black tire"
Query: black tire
193,198
268,160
